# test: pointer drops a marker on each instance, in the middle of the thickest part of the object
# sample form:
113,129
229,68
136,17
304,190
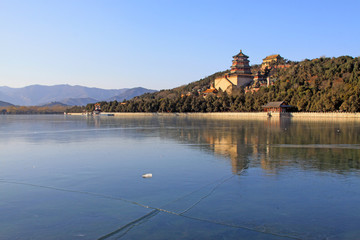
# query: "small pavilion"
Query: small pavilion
276,107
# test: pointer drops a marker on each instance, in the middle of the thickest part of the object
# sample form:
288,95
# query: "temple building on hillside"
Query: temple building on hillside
271,59
211,90
239,76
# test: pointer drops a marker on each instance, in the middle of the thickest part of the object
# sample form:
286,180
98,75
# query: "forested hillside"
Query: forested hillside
318,85
323,84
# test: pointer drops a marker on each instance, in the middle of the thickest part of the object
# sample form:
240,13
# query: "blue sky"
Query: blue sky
162,44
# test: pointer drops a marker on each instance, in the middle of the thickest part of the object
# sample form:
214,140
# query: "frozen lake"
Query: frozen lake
75,177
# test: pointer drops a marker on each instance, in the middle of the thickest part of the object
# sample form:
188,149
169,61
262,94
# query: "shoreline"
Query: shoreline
237,115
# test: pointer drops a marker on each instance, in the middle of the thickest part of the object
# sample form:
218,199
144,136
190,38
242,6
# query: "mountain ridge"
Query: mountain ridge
5,104
36,94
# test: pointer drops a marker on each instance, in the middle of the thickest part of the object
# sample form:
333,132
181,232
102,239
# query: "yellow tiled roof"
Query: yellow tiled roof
271,57
210,90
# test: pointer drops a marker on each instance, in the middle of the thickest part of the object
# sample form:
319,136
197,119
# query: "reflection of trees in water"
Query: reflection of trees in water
329,158
276,143
272,143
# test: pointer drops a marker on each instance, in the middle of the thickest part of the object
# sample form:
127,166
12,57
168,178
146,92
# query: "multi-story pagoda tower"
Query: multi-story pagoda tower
240,64
239,76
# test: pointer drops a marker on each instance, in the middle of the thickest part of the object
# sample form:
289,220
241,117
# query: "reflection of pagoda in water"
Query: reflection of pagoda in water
226,146
247,145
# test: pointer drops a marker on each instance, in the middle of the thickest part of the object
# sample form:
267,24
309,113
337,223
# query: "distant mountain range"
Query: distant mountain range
5,104
35,95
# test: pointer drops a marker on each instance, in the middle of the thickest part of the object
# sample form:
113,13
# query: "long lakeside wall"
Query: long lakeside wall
322,115
244,115
219,115
319,116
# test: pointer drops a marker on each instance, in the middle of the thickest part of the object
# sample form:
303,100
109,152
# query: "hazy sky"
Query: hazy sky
163,44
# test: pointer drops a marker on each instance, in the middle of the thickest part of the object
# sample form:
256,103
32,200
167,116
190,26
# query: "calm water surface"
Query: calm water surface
72,177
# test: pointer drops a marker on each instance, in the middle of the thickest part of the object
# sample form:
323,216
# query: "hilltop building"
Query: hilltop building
272,58
239,76
275,61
